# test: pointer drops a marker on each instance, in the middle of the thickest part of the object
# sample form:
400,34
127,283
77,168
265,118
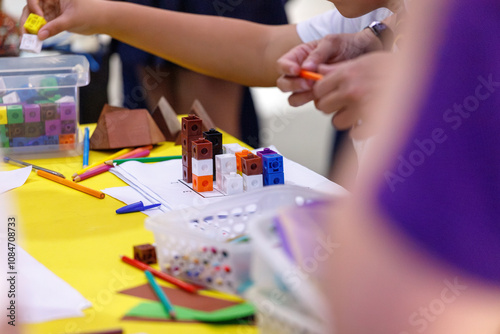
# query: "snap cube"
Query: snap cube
272,163
11,98
251,182
31,113
232,148
187,174
15,130
238,155
48,111
66,139
34,23
67,111
232,184
53,127
68,127
15,114
251,164
145,253
201,149
215,137
265,151
202,167
273,179
34,129
31,43
191,126
3,115
203,183
225,163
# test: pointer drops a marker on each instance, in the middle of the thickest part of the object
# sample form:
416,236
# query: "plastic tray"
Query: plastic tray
193,244
39,105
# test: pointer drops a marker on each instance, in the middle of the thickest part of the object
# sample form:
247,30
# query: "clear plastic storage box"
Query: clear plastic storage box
204,244
39,105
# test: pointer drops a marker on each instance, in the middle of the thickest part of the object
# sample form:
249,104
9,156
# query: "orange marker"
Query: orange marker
310,75
71,184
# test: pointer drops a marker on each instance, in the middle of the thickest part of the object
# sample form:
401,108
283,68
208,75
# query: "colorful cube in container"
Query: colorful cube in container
40,103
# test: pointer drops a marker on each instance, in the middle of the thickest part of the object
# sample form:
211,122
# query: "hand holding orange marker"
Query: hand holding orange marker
310,75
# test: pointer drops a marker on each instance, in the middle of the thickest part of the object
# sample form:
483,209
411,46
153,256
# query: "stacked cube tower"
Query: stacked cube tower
202,165
191,131
251,168
215,137
272,164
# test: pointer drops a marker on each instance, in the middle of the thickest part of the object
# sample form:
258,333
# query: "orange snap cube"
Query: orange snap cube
203,183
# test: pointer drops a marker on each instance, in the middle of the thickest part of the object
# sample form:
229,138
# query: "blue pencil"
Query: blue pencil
86,147
161,295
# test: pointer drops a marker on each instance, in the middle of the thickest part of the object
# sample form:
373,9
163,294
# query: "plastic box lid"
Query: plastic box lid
21,73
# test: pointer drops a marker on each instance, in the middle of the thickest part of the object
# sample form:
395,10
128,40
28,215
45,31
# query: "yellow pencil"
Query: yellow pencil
111,157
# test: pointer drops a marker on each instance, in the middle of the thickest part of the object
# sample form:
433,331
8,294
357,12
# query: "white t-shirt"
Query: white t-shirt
332,22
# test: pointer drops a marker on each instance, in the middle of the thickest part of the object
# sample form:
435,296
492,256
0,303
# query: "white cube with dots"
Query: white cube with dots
251,182
202,167
232,184
225,163
31,43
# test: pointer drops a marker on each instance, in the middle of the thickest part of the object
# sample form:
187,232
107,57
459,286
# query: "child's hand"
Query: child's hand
328,50
76,16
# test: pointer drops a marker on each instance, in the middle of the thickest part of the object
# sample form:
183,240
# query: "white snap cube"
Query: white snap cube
225,163
232,148
31,43
202,167
233,184
251,182
11,98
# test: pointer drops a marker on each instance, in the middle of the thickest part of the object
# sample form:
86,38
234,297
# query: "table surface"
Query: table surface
80,238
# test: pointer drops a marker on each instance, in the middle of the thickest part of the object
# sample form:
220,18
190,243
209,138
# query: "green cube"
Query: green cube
15,114
4,140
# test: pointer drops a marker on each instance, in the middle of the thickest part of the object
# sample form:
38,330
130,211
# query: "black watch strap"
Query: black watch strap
383,33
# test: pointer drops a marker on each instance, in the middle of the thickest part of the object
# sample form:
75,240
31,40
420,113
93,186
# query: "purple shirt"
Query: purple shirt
444,187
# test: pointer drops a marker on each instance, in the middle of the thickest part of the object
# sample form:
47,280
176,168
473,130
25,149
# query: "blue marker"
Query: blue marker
136,207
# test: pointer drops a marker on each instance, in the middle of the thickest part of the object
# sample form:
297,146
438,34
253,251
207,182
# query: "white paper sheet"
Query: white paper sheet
161,183
13,178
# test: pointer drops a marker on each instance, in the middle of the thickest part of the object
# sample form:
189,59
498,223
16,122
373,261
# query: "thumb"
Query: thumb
53,28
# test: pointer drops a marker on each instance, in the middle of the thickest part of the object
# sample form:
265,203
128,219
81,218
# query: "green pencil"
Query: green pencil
146,159
161,295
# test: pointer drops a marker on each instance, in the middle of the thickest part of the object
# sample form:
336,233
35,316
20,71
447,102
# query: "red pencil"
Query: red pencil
175,281
310,75
104,168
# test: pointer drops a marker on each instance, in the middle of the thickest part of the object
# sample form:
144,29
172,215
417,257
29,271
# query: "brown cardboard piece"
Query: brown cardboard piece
166,119
198,109
181,298
121,128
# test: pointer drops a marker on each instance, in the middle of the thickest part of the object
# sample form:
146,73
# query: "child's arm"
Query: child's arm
231,49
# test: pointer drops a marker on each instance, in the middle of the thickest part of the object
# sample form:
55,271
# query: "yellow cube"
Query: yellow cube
3,115
34,23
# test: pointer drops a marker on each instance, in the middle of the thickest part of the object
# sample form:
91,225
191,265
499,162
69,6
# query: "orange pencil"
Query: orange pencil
310,75
104,168
71,184
175,281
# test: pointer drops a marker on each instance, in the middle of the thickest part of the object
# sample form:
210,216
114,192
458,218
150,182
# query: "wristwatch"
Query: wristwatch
383,33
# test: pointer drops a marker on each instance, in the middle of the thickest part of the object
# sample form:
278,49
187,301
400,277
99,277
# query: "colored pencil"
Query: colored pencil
310,75
86,147
161,295
104,168
71,184
100,162
170,279
34,167
148,159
